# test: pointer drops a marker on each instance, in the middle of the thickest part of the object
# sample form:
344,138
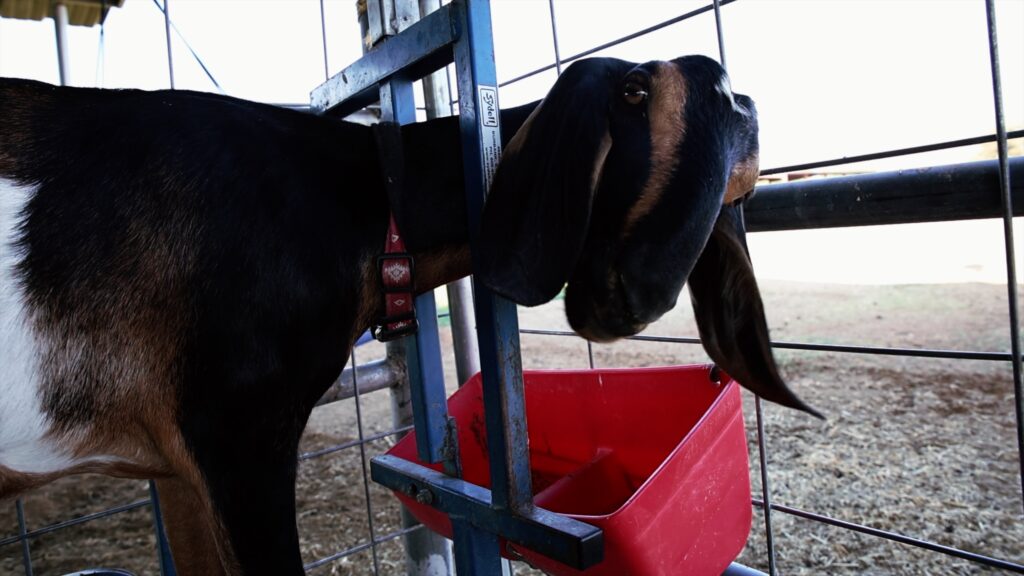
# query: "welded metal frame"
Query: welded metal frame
461,32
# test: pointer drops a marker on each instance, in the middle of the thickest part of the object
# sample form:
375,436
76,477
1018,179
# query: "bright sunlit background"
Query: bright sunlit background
831,78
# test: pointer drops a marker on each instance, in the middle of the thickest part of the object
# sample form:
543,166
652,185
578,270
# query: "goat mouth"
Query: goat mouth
605,334
601,323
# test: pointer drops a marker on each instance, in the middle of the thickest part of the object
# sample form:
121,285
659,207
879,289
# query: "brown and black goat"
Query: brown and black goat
183,275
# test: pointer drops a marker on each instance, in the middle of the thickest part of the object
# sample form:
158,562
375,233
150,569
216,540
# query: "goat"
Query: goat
184,274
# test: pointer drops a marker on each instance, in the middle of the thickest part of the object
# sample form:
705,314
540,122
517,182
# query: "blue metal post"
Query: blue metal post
423,351
477,553
497,322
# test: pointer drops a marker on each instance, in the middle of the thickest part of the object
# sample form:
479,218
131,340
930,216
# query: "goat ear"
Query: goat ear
538,211
730,314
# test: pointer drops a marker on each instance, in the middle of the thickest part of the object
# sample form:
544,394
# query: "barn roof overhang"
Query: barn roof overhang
80,12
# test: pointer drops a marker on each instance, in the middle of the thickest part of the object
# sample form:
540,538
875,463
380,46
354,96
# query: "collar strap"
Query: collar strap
396,275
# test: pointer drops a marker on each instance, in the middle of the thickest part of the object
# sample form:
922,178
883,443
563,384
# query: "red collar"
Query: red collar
396,275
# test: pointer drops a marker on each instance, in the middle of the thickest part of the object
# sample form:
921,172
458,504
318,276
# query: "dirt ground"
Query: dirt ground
924,447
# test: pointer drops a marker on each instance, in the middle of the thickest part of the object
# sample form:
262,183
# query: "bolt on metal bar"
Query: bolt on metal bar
74,522
891,153
616,42
896,537
26,553
362,460
1011,266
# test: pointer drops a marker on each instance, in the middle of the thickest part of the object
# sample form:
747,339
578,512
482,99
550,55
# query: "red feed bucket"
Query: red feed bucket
656,457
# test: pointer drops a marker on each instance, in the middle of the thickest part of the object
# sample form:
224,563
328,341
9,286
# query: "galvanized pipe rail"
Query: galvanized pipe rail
938,193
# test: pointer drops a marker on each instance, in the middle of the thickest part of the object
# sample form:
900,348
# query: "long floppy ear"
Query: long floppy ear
730,315
537,214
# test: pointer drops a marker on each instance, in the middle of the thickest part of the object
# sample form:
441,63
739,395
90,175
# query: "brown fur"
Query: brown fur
665,113
520,137
602,155
742,179
190,536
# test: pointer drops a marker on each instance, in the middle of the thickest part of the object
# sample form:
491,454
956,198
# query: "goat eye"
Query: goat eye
634,93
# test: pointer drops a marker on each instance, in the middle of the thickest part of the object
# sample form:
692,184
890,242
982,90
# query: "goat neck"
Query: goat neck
430,204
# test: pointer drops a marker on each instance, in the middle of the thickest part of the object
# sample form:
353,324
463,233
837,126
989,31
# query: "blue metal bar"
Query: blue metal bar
559,537
426,376
423,351
419,50
497,322
163,546
475,551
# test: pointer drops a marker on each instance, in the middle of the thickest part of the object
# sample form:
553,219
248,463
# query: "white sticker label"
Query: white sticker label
490,136
489,106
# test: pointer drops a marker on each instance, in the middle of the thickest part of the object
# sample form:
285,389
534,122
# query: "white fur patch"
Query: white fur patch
23,425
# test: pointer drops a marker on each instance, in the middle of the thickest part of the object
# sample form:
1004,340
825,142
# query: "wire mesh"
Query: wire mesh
1014,357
